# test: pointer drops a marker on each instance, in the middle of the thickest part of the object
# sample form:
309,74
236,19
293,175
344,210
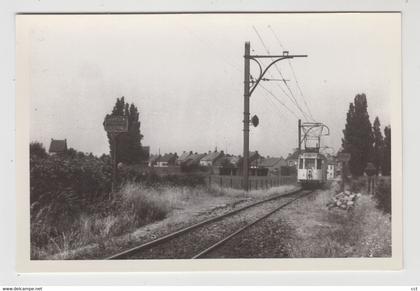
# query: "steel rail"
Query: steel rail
222,241
174,234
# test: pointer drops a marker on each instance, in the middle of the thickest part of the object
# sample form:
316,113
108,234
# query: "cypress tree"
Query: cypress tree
358,137
378,144
386,165
129,149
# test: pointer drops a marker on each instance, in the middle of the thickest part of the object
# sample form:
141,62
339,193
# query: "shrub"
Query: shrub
36,149
147,177
358,184
62,188
88,177
383,195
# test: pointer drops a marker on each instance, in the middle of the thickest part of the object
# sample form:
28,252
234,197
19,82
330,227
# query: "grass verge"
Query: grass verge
364,231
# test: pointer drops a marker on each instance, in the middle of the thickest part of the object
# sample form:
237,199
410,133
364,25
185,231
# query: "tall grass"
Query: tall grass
135,205
130,208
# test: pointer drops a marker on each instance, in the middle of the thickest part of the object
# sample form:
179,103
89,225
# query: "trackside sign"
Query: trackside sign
116,123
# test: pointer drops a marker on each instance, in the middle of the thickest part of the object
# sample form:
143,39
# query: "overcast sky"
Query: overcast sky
185,75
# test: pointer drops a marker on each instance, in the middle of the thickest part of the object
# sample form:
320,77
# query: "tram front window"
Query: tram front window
309,163
319,164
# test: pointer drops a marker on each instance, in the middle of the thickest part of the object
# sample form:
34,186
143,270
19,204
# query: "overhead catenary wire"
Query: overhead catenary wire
293,72
269,95
291,97
278,100
267,92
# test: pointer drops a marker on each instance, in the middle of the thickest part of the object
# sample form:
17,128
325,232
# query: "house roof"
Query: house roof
270,162
194,158
222,161
234,159
58,146
153,158
167,157
210,157
254,156
184,156
293,156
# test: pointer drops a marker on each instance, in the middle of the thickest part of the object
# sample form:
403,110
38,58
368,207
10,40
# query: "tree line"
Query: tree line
365,142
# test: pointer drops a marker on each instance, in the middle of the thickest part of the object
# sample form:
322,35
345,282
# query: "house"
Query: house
146,152
210,158
254,165
153,159
331,167
183,157
145,155
58,146
234,160
273,165
226,165
292,159
193,160
167,160
254,159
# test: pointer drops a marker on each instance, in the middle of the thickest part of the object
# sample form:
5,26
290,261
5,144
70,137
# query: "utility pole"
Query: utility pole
114,137
248,90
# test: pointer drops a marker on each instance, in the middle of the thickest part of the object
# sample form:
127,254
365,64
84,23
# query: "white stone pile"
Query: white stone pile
344,200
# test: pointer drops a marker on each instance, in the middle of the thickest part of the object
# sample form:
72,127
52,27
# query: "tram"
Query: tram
312,169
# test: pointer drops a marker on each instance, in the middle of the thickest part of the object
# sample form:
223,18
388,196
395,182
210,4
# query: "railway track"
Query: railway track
189,242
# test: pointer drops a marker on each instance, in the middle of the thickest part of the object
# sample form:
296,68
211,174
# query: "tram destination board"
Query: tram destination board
116,123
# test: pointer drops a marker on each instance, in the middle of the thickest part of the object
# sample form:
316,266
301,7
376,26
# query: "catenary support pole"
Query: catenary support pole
248,90
246,116
299,136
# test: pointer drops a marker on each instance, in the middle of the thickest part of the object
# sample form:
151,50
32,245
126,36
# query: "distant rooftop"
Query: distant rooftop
58,146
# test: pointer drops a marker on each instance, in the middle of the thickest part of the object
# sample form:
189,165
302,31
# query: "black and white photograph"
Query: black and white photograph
211,136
